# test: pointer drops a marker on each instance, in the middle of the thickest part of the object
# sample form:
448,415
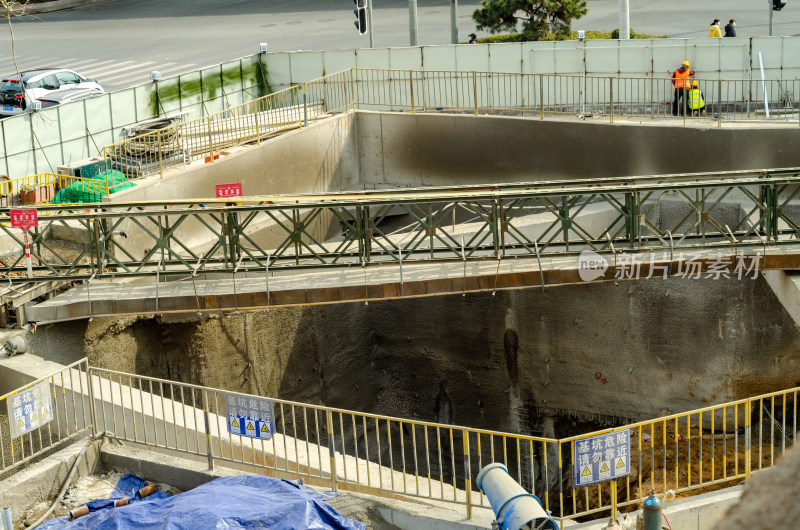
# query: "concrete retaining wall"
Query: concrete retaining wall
445,149
320,158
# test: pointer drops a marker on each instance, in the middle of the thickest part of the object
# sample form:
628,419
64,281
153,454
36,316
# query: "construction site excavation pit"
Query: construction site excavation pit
551,362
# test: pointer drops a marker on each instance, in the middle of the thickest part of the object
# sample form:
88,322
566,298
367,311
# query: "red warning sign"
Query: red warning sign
228,190
24,218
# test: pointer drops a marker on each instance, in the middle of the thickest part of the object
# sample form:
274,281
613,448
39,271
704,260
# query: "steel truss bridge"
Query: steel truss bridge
347,240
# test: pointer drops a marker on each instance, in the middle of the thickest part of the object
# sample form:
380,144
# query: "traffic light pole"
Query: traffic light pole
453,21
770,5
371,25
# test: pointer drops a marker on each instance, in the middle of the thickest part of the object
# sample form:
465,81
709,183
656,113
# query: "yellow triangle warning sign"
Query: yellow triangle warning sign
604,468
264,428
234,423
250,425
620,463
586,472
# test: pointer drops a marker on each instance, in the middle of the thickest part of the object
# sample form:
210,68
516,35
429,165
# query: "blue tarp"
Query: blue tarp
250,501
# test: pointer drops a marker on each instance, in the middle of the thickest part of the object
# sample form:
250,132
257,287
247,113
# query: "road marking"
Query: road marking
90,64
144,77
124,69
111,68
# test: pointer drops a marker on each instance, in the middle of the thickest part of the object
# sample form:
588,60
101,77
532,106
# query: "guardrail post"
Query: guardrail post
614,500
475,92
331,448
411,87
611,97
91,399
209,451
467,473
747,440
305,110
210,140
541,95
719,103
352,89
258,131
160,163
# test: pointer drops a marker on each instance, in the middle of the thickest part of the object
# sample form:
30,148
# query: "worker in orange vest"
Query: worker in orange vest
682,83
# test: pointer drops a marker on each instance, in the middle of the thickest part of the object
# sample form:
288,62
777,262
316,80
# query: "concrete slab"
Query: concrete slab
44,479
786,286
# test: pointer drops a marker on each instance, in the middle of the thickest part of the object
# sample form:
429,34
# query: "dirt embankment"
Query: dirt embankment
769,500
600,352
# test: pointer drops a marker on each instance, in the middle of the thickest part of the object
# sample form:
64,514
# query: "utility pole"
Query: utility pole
624,20
453,21
412,23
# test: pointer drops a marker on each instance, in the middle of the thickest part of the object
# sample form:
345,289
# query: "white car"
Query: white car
16,99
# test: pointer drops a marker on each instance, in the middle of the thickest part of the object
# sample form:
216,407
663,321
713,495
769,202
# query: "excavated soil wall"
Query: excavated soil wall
599,353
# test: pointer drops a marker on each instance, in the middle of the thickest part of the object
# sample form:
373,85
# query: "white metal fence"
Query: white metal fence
689,452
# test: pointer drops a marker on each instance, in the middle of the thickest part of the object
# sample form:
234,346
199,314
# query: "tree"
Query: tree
538,17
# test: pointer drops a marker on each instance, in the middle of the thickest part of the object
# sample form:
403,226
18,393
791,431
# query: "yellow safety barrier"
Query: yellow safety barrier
42,189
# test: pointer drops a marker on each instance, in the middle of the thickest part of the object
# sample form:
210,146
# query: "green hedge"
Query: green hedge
518,37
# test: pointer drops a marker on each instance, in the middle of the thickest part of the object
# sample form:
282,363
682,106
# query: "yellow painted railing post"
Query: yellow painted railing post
331,449
613,500
467,473
210,140
747,440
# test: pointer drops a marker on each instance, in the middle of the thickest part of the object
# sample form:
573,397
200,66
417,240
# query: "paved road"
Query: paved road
120,41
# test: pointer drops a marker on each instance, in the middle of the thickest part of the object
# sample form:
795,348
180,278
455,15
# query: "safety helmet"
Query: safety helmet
694,83
685,63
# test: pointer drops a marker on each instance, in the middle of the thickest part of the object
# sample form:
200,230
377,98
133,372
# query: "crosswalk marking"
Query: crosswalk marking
124,66
142,77
112,74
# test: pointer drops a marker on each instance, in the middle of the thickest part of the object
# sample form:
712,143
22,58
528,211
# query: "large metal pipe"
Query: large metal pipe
513,507
7,521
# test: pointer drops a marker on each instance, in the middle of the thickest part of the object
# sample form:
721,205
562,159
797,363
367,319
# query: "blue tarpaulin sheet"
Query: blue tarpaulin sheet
250,501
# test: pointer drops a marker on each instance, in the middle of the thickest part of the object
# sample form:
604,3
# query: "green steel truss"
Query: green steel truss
673,212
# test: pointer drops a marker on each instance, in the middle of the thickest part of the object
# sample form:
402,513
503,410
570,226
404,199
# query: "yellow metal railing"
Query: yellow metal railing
206,137
688,453
43,189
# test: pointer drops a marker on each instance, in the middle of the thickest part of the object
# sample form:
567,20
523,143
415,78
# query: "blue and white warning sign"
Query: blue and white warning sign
250,416
30,409
602,457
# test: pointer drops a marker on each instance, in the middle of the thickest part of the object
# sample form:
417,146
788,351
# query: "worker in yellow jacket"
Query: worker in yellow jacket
715,30
696,104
